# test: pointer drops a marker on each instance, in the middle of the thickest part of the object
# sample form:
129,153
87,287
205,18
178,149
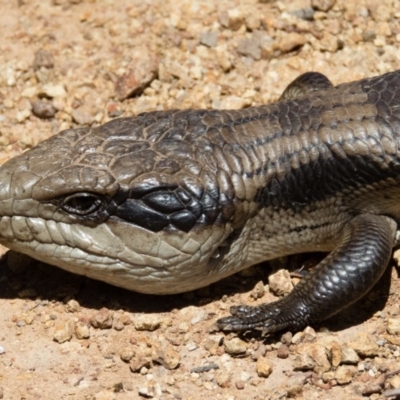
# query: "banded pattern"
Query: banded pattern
170,201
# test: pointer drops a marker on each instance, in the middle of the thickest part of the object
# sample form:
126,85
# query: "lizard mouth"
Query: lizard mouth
149,262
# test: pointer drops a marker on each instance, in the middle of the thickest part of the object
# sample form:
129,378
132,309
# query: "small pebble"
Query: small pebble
63,332
291,41
258,291
43,109
232,19
191,346
349,356
51,90
208,38
264,367
323,5
212,344
103,319
344,374
235,346
82,330
43,58
283,352
280,282
223,378
364,345
82,116
72,306
143,72
126,354
166,356
303,362
286,338
239,385
118,325
393,326
142,358
147,322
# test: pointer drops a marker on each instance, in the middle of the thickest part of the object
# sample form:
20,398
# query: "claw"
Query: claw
264,317
240,311
225,325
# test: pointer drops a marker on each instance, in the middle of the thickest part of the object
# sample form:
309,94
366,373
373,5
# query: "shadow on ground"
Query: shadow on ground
33,279
41,281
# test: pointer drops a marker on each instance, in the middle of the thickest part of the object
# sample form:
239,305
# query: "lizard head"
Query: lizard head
133,203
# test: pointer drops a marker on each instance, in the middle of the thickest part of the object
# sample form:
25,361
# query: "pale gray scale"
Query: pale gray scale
56,235
27,207
7,233
22,231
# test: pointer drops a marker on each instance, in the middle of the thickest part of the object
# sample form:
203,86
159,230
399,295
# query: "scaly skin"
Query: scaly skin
167,202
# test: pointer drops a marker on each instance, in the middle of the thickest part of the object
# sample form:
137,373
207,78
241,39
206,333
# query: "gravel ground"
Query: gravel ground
70,63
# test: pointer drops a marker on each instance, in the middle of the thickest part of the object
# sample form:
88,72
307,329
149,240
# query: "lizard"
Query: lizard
170,201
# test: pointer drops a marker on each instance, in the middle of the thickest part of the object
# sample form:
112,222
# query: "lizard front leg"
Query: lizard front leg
339,280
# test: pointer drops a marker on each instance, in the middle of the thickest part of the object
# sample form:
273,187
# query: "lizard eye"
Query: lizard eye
81,203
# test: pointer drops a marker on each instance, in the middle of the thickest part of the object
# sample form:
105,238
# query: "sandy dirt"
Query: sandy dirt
71,63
